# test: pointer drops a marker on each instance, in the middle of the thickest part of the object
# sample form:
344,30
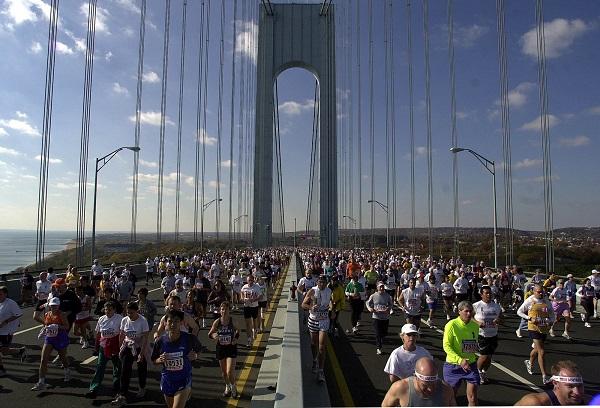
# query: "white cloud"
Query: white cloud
101,17
9,152
20,125
227,163
63,48
539,179
151,77
129,5
421,150
295,108
108,56
3,132
205,138
244,40
35,47
526,163
21,11
213,183
467,202
535,124
560,36
517,97
595,110
466,37
118,89
21,115
576,141
149,164
50,160
151,118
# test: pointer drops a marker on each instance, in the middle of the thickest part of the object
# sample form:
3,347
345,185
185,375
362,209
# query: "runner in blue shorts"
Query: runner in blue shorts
460,345
175,351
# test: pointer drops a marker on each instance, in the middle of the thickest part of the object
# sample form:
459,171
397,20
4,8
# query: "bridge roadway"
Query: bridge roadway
207,387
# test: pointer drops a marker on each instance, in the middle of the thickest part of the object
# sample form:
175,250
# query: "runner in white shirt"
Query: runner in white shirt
432,293
447,296
411,300
461,287
236,287
401,363
43,290
96,274
250,295
560,305
595,280
488,315
10,314
262,303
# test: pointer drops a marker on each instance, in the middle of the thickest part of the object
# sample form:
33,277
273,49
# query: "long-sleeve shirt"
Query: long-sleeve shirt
460,341
523,310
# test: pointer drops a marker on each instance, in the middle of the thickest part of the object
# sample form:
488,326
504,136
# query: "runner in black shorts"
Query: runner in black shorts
226,335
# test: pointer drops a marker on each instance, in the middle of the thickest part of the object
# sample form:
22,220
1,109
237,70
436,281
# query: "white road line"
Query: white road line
41,325
89,360
499,366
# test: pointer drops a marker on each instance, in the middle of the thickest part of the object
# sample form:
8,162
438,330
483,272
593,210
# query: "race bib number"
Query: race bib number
52,330
199,285
489,323
132,334
110,332
42,296
469,346
321,314
413,302
380,308
174,361
224,340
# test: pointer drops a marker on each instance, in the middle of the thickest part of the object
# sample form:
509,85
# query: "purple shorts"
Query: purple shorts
454,375
561,309
59,342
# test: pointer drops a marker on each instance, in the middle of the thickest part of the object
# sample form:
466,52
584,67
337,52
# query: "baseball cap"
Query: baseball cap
59,281
594,271
179,282
54,301
380,284
408,329
95,261
569,275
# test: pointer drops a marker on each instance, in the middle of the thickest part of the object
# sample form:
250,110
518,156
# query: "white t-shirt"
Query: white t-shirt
97,270
109,327
412,300
8,309
402,362
43,289
595,280
559,295
487,313
134,329
251,295
236,283
447,289
461,286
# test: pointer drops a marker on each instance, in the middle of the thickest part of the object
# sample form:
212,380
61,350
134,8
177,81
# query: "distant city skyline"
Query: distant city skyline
572,32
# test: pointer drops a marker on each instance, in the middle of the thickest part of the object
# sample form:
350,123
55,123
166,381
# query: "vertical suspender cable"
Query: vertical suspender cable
204,109
428,114
163,108
138,112
231,122
453,125
350,116
85,129
371,124
313,149
199,132
220,121
46,133
241,118
386,27
180,117
393,125
359,124
411,125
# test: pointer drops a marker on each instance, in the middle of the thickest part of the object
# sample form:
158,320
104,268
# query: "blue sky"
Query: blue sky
572,31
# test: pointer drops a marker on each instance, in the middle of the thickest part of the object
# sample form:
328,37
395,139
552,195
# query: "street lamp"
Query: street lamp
353,221
236,220
387,213
491,167
204,208
104,160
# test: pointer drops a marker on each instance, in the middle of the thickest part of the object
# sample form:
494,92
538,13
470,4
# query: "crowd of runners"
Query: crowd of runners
467,301
109,311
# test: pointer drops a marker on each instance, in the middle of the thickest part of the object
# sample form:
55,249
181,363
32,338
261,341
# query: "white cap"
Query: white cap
54,301
409,328
569,275
95,261
594,271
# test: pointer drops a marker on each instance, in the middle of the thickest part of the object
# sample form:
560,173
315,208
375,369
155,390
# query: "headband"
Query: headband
567,380
426,378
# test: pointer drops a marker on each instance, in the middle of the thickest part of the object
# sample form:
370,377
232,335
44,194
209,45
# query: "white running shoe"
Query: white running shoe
583,317
518,333
447,317
528,367
39,386
378,351
429,322
551,333
357,324
355,329
321,376
566,336
587,324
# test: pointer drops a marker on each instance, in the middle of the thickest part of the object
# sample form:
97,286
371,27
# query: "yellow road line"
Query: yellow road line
339,376
252,355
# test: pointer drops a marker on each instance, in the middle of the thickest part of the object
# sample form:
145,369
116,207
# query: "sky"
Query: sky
572,32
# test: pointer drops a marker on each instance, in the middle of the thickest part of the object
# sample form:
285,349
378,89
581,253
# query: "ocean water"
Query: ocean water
17,247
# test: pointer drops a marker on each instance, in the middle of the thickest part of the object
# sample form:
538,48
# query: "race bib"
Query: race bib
42,296
52,330
110,332
199,285
413,302
380,308
224,340
489,323
469,346
174,361
321,315
132,334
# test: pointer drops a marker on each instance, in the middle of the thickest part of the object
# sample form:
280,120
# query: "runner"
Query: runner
96,274
447,296
431,298
540,316
174,352
149,270
422,389
250,296
402,361
56,327
338,301
411,300
226,335
146,307
262,303
354,291
488,315
380,304
318,302
587,293
43,289
107,335
595,280
236,287
133,337
461,287
10,313
560,305
567,388
571,288
460,345
188,324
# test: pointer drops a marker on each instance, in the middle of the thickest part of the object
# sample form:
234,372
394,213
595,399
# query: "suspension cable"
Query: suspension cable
163,108
180,118
220,120
137,131
46,133
386,40
393,126
411,109
241,119
232,121
204,109
359,124
371,124
85,129
350,117
198,121
313,150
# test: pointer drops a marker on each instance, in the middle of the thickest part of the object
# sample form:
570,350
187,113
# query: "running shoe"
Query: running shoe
91,394
483,378
249,342
355,329
321,377
81,340
528,367
551,333
566,336
67,376
315,367
587,324
141,393
22,354
518,333
119,401
39,386
227,392
379,352
595,315
583,317
233,391
447,317
357,324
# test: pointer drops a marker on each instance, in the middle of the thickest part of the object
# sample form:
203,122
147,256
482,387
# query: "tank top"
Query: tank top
322,299
225,333
539,313
553,398
417,400
52,323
